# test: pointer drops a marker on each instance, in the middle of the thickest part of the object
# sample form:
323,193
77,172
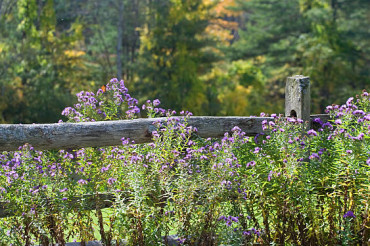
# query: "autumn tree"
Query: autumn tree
323,39
40,66
173,54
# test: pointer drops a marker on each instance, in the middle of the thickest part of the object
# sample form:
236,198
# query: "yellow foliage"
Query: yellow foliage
223,8
236,101
74,53
196,102
260,59
219,28
2,47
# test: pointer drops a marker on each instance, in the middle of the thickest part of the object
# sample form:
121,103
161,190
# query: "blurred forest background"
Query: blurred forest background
210,57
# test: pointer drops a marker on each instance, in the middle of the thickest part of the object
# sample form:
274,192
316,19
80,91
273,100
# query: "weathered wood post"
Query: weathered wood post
298,97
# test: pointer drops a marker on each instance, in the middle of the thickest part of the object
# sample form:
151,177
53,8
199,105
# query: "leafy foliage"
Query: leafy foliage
311,37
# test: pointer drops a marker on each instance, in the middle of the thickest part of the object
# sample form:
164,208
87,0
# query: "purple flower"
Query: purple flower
328,125
358,112
104,169
156,102
82,181
312,132
338,122
270,175
349,214
68,111
349,101
251,163
291,120
256,150
181,240
328,109
360,136
314,155
368,161
318,120
111,181
155,134
169,212
236,129
235,219
221,218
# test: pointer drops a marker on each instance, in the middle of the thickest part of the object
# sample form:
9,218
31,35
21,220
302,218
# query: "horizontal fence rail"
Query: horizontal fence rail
110,133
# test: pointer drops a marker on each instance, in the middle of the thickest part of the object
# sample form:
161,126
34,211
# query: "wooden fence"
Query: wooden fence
109,133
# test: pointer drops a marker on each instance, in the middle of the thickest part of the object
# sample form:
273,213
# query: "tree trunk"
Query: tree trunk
119,38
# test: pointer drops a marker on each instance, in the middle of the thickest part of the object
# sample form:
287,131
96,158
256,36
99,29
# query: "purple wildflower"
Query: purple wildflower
256,150
156,102
338,121
251,163
328,125
104,169
349,214
236,129
312,132
111,181
82,181
181,240
360,136
235,219
318,120
358,112
314,156
349,101
221,218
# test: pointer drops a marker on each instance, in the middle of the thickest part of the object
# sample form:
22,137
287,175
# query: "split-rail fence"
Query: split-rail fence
109,133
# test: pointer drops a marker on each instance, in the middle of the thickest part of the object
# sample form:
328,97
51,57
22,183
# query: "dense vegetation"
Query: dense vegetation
226,57
286,186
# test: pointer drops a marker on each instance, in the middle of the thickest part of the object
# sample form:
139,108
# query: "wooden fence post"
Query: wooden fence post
298,97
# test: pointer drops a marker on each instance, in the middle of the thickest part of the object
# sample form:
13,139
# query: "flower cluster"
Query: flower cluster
112,101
